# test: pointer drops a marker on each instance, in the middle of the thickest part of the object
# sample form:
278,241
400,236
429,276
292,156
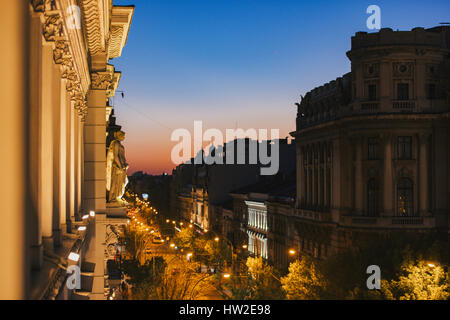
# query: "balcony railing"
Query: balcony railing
403,105
388,222
313,215
370,106
407,221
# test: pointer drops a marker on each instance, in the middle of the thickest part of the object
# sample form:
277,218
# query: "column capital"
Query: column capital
386,137
423,137
43,5
52,27
101,80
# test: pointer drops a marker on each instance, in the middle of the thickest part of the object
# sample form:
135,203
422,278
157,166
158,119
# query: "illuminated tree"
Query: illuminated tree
304,281
418,280
263,282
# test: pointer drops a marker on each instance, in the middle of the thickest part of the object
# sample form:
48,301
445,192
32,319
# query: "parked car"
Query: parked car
157,240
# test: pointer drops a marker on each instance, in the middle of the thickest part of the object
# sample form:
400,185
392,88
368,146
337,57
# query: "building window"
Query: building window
405,197
402,91
372,198
372,92
431,91
404,148
373,148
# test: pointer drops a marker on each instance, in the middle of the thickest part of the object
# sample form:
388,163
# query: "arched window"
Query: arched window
372,198
405,190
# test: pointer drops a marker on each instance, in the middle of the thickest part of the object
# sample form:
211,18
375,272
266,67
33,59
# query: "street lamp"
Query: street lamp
292,252
216,239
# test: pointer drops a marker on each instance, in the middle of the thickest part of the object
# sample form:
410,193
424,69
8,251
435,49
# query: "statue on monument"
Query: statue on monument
116,169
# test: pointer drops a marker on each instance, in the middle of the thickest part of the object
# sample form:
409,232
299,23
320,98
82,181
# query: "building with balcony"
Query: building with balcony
373,146
56,82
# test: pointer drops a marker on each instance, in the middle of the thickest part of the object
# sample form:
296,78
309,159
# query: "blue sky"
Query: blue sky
236,62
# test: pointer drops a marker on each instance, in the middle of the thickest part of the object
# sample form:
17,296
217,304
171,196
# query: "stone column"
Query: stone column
336,176
71,190
34,161
325,177
300,177
57,154
46,133
358,177
314,178
13,185
80,162
388,191
64,108
423,169
95,151
76,157
68,164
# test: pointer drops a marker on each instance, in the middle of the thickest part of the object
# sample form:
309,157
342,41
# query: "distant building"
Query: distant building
265,212
373,146
201,190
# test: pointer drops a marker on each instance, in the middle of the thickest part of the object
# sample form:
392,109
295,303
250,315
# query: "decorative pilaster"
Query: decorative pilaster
423,173
388,190
358,176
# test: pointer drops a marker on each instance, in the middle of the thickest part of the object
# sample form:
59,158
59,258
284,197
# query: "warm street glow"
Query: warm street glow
92,213
292,252
226,275
217,239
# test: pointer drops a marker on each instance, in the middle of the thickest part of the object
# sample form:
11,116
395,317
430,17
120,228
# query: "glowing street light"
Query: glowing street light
244,246
226,275
292,252
431,265
92,214
216,239
74,256
188,256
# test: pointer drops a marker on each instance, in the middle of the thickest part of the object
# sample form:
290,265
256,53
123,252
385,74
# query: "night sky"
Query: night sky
235,63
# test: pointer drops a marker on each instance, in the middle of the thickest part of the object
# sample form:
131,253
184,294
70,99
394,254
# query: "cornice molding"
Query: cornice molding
94,25
120,25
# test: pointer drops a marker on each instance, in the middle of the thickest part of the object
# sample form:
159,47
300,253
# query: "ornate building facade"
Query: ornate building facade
56,82
373,146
